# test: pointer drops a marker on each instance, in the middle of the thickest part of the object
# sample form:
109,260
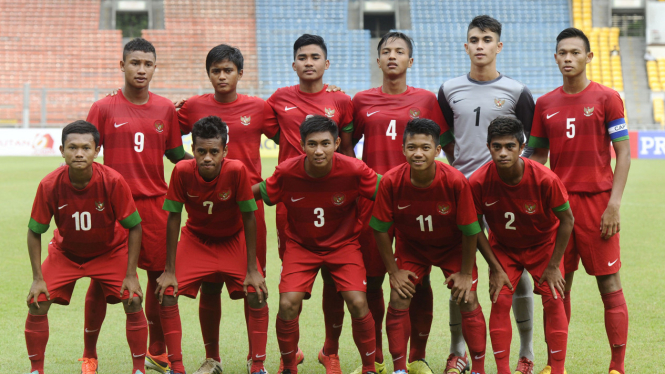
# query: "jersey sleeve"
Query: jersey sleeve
558,196
346,120
184,121
175,196
477,192
614,119
96,117
271,188
270,124
244,196
524,109
369,182
174,149
123,205
446,110
42,211
467,219
538,137
382,215
358,121
437,116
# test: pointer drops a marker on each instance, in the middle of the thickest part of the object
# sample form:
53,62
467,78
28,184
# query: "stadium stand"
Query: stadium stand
656,77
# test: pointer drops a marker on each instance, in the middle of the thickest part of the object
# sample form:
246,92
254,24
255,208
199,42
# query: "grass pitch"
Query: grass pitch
588,350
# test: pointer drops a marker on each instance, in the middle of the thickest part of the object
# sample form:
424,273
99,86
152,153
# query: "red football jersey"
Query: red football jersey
520,216
213,208
90,221
247,118
136,138
433,217
382,118
578,129
292,106
322,214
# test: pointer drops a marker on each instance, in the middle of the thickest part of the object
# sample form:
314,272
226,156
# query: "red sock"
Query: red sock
170,316
549,358
566,304
616,326
249,339
95,311
258,336
288,334
137,337
421,321
36,337
475,334
363,335
156,344
556,332
398,328
501,332
378,309
333,317
210,315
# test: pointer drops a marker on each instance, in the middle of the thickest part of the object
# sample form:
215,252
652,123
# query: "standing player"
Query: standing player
247,119
469,103
431,206
380,114
92,205
577,122
137,129
219,240
529,218
292,105
319,191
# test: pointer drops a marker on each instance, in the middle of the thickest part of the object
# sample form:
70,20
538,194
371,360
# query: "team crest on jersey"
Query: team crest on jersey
498,103
529,208
588,111
330,113
338,199
225,195
99,205
414,113
443,208
159,125
245,120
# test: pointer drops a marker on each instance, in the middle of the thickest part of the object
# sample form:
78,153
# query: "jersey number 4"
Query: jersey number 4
392,129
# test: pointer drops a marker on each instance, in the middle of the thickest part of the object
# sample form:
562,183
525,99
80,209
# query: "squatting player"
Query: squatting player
380,114
431,206
577,122
137,129
93,206
469,103
247,119
526,208
218,240
319,190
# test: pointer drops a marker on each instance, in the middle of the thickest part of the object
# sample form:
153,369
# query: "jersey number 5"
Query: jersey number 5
570,127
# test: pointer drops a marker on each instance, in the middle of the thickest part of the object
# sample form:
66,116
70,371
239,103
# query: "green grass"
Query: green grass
588,350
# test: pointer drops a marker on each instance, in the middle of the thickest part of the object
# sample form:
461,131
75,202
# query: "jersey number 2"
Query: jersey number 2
511,219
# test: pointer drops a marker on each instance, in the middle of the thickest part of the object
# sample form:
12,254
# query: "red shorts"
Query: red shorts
280,223
61,273
533,259
153,239
261,235
371,257
420,260
218,261
300,266
599,256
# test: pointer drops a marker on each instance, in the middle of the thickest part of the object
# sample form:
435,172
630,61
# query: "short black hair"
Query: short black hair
222,53
422,126
138,44
506,126
392,35
572,32
210,128
318,123
485,23
81,127
309,39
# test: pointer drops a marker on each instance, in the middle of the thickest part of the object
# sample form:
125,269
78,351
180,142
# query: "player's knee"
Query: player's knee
471,304
375,283
168,300
210,288
42,310
135,305
609,283
357,307
253,301
398,302
288,308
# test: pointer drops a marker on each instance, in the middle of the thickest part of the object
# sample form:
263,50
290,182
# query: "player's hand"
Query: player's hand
113,93
131,284
552,275
610,222
498,279
166,280
256,280
461,286
179,103
37,288
401,282
333,88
